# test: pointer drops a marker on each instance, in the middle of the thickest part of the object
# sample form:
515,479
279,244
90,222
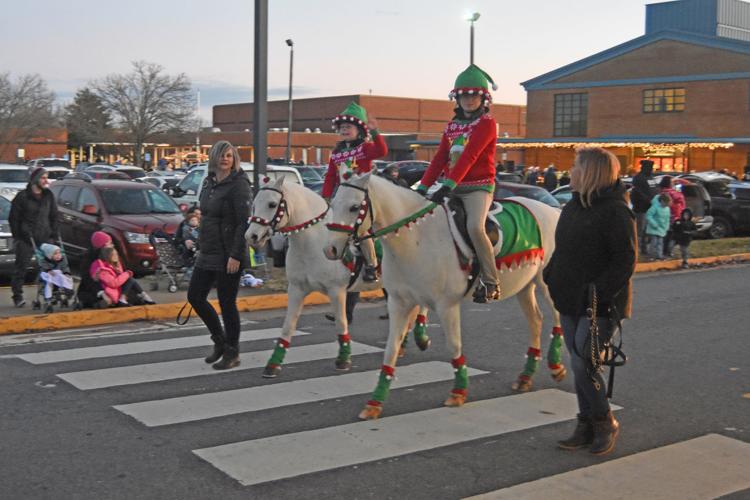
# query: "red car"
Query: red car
128,211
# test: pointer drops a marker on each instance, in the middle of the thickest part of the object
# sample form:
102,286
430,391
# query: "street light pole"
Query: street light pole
290,43
472,18
260,92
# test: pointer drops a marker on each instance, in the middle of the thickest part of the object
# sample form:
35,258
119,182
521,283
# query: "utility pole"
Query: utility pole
290,43
260,92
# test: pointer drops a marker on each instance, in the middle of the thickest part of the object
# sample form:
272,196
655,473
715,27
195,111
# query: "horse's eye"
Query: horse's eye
354,208
272,204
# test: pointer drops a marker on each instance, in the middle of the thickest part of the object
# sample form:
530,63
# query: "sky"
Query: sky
409,48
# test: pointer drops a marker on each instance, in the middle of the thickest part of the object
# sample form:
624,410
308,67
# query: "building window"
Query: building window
571,113
663,100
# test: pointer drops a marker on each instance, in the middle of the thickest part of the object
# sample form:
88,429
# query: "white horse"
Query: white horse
421,266
297,211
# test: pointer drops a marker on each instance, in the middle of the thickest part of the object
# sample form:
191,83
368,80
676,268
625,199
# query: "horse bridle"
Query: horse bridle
281,210
365,209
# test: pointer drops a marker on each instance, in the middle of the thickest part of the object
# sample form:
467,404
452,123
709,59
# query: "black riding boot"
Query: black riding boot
218,349
582,436
605,434
371,274
230,359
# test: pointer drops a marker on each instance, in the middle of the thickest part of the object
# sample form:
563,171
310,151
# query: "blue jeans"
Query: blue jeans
592,402
655,246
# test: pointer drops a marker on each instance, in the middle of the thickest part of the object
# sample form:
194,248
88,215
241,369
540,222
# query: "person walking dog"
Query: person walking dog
225,206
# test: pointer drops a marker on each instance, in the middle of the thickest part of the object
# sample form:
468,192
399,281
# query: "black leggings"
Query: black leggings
227,286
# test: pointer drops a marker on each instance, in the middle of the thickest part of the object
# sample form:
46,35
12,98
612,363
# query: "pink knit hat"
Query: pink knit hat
100,239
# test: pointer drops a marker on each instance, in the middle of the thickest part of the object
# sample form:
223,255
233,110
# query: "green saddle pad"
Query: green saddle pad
521,237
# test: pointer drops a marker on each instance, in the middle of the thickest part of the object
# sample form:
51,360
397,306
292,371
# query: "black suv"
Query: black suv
730,202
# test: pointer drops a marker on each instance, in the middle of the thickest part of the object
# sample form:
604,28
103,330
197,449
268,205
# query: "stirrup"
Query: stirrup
484,293
370,274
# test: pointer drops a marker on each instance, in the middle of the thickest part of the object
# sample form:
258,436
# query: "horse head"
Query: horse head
350,215
269,212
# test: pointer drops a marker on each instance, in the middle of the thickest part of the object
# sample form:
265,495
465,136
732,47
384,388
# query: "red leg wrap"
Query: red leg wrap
458,362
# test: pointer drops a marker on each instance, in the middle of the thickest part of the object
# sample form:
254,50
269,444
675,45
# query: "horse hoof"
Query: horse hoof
559,375
370,412
455,400
271,371
424,344
401,352
522,384
343,365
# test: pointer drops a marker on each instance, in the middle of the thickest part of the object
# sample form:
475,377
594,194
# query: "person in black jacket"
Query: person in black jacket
595,243
225,206
641,195
33,214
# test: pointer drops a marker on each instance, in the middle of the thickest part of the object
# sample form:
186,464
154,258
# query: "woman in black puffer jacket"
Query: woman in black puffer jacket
595,243
225,204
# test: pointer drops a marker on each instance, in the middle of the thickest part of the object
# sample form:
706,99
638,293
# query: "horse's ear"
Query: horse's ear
279,182
362,180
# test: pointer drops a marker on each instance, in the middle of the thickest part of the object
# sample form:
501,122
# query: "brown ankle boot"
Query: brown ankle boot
582,436
218,349
605,434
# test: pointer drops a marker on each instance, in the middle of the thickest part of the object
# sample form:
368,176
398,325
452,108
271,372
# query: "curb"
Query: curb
98,317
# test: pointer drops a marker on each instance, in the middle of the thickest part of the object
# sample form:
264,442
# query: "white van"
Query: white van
188,190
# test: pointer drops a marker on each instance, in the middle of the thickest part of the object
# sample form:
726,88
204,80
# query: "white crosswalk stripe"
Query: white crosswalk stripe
706,467
184,368
290,455
217,404
106,351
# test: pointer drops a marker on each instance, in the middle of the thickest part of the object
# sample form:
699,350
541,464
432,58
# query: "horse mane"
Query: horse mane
412,195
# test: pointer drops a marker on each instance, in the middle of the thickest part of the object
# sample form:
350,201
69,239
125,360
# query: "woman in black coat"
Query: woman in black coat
225,204
595,243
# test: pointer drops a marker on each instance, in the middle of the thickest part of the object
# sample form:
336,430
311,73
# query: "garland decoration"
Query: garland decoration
298,228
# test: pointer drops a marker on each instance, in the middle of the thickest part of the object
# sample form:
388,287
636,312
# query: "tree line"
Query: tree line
137,105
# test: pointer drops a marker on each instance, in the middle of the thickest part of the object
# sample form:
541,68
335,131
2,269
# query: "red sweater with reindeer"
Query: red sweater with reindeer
466,155
355,160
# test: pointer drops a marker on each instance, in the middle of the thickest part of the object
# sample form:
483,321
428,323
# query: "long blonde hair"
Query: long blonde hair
217,151
598,169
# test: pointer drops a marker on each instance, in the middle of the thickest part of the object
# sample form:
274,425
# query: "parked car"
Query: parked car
508,189
411,170
730,202
7,255
49,162
131,171
164,180
13,178
188,190
127,211
56,173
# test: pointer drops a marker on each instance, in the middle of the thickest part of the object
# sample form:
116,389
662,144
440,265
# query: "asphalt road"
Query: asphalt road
688,376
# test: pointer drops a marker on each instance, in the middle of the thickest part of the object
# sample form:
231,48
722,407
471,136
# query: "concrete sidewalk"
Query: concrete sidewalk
25,320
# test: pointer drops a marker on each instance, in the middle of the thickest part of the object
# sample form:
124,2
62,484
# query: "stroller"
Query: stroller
50,282
172,262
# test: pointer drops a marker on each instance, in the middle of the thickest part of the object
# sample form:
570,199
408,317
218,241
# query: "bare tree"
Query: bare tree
26,107
146,102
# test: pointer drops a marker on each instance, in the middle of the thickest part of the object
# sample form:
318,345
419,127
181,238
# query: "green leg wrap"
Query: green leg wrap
345,348
384,385
277,358
420,332
403,342
532,362
554,353
461,378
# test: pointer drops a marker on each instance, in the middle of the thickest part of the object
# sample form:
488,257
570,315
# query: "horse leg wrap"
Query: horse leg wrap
461,375
420,332
380,394
554,353
532,362
344,359
278,353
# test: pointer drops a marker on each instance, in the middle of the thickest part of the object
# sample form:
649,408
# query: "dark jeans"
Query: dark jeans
24,251
227,286
131,289
640,221
591,402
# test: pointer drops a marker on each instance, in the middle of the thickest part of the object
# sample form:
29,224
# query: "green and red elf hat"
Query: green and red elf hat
473,80
355,114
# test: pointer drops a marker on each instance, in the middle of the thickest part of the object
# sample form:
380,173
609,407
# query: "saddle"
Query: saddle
456,206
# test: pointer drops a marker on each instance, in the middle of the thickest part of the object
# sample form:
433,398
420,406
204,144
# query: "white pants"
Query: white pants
55,277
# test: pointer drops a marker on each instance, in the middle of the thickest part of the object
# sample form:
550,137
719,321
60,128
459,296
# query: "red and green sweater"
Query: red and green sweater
466,156
355,160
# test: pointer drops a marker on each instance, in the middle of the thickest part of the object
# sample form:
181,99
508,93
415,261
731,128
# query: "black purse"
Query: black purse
603,350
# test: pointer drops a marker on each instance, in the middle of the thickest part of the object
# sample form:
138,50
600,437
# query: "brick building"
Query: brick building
402,120
679,95
45,143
